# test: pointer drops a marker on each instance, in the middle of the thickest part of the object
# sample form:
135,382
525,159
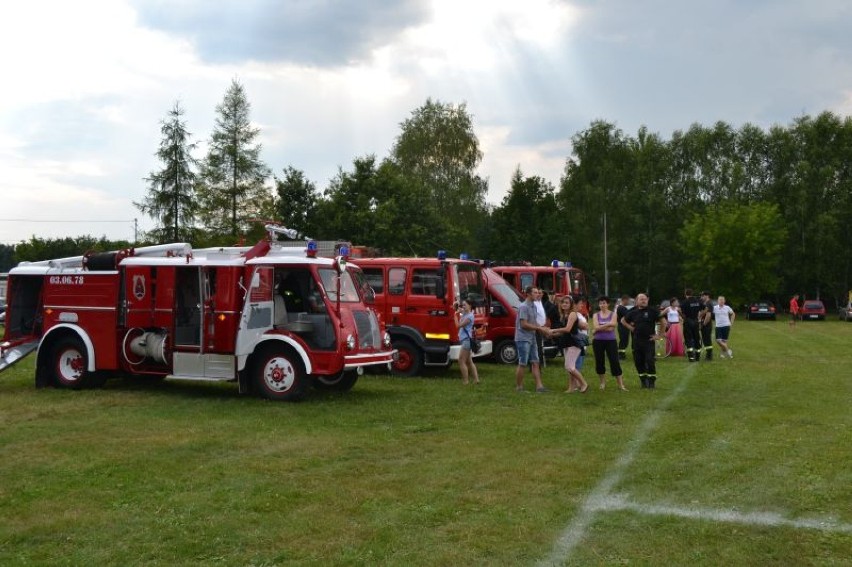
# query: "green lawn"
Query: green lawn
733,462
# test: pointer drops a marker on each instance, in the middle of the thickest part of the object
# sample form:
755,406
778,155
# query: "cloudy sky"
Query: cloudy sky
87,83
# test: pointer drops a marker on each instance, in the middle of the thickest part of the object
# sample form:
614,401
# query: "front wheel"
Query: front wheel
68,362
279,375
409,360
341,382
507,352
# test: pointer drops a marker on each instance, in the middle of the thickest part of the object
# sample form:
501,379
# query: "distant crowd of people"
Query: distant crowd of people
687,323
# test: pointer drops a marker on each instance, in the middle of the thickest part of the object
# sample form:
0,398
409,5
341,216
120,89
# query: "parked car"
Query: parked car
813,309
761,310
845,312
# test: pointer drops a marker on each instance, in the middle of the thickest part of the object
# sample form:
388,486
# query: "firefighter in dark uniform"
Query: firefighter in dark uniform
641,321
691,307
706,318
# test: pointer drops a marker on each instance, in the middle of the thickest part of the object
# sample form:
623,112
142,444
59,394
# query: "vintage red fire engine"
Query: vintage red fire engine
274,320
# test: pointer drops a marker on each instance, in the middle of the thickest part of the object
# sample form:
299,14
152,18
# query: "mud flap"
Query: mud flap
9,355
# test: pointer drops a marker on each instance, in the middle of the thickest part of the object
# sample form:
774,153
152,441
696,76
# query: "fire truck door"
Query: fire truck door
425,311
256,317
188,307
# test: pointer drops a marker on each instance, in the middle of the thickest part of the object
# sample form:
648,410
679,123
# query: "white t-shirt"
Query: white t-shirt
540,315
673,315
582,319
722,313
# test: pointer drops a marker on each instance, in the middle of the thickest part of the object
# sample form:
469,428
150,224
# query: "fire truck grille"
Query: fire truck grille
368,329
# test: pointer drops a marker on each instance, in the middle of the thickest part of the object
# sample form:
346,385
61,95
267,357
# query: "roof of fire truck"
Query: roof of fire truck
178,254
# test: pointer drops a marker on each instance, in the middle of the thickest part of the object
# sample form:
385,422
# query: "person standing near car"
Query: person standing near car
794,310
691,308
706,319
724,317
463,317
642,321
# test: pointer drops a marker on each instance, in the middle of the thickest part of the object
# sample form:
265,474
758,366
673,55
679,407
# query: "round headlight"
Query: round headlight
386,339
350,342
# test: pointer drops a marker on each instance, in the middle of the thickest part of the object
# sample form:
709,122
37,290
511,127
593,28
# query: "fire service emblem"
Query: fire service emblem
139,287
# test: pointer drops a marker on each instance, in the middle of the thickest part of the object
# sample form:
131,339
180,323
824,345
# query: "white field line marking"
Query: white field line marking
576,530
619,502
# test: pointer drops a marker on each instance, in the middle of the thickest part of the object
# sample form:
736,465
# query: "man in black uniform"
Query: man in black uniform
623,334
691,307
641,321
706,318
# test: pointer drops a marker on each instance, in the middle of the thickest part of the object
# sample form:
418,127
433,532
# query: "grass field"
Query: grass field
733,462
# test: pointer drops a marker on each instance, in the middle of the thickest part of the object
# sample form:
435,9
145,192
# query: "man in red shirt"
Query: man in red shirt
794,310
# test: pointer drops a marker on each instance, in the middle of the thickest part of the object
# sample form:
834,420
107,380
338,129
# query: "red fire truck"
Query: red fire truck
272,319
505,301
415,298
560,278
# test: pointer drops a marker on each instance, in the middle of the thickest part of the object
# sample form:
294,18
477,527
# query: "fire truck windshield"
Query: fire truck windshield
348,290
469,283
506,294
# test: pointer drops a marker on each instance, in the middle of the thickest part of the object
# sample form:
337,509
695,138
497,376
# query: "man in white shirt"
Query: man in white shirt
724,316
540,320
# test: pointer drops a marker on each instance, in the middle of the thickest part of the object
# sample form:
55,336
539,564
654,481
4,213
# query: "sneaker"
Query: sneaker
542,390
520,389
730,353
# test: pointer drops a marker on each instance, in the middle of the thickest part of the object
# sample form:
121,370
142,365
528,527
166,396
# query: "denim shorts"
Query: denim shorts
527,352
465,344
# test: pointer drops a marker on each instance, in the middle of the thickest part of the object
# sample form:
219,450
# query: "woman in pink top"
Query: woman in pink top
605,343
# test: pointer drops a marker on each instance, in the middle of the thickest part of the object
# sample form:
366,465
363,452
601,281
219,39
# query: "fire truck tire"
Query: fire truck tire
68,364
278,374
409,359
342,382
507,352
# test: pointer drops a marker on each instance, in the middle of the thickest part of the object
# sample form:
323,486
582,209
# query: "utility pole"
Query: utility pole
606,268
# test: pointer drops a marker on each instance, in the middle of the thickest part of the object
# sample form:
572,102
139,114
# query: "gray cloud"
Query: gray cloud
307,32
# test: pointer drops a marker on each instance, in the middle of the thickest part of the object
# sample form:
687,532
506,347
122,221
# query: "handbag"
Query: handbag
474,343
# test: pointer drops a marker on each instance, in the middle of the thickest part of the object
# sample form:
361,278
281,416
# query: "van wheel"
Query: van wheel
278,374
68,364
341,382
507,352
409,360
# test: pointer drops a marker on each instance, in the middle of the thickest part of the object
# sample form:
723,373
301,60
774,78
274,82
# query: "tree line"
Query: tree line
745,212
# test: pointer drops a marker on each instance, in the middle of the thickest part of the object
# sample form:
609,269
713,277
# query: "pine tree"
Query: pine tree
233,190
171,190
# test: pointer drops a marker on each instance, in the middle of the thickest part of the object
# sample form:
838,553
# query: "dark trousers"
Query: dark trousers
707,339
609,349
692,338
623,340
646,363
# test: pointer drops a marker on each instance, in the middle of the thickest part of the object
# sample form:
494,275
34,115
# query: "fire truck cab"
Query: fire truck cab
272,319
415,298
560,278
